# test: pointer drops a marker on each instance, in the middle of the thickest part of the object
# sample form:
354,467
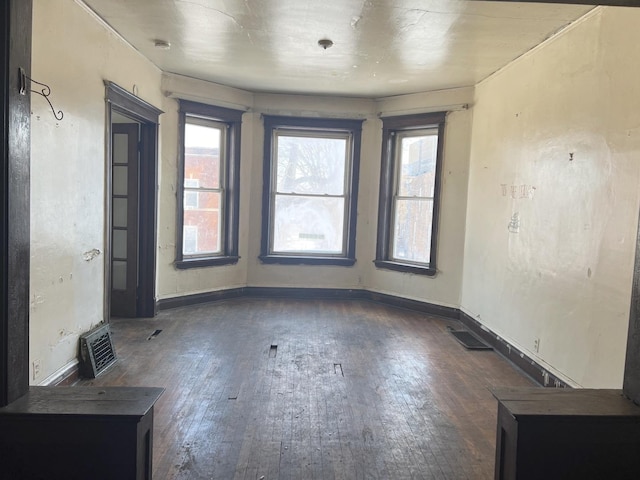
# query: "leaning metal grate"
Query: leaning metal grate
96,351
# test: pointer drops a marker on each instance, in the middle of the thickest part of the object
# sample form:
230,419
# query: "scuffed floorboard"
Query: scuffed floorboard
312,389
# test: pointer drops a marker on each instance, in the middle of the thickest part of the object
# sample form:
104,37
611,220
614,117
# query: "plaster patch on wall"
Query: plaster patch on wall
91,254
36,300
517,191
514,224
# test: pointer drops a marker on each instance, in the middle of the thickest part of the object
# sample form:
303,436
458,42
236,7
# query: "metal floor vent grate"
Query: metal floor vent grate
96,351
469,341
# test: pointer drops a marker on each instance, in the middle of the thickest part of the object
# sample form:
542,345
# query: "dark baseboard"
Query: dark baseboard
197,298
525,363
512,354
415,305
309,293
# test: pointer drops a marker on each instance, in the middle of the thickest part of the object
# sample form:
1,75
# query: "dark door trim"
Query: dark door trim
15,156
631,385
118,99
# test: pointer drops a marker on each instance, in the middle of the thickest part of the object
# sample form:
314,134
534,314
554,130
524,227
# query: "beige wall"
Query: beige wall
73,53
561,125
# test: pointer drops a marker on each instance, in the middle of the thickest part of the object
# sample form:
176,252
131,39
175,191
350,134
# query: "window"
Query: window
209,185
310,190
409,193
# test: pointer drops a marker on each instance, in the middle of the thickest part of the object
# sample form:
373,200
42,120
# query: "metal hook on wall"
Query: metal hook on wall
45,91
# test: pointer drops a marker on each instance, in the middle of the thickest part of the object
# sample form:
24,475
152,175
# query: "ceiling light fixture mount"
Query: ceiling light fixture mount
325,43
162,44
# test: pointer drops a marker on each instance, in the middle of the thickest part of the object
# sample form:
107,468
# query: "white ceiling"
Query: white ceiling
381,47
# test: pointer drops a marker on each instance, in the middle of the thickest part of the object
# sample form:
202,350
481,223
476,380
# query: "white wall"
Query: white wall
562,126
73,53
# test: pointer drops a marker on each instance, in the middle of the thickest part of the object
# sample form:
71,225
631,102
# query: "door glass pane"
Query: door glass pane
417,171
308,224
119,212
202,224
412,230
311,165
119,275
202,155
120,244
120,148
120,180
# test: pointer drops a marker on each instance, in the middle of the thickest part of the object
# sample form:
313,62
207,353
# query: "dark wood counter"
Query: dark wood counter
78,433
548,433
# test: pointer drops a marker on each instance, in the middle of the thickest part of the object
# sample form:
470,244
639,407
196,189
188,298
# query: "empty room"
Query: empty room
280,215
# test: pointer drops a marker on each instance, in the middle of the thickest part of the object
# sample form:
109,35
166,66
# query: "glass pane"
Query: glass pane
202,224
119,212
417,172
412,230
308,225
120,150
311,165
120,244
202,156
120,180
119,275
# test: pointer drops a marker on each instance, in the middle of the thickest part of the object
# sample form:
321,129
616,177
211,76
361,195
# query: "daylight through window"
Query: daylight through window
409,188
310,199
209,185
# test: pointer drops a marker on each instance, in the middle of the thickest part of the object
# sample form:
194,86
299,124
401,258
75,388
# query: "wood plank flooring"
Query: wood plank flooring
312,389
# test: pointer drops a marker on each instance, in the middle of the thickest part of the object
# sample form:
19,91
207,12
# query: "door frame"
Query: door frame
120,100
15,159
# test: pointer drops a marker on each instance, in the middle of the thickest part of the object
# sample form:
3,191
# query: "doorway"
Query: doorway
125,188
132,126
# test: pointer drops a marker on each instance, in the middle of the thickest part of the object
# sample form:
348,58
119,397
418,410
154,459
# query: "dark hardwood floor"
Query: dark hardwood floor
312,389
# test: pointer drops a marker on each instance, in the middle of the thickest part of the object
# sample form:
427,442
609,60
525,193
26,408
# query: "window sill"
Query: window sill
307,260
405,267
185,264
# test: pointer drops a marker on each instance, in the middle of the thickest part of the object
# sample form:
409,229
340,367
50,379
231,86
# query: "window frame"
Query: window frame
229,183
391,126
352,127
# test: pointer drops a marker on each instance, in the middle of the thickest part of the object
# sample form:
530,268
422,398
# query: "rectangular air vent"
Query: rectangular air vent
96,351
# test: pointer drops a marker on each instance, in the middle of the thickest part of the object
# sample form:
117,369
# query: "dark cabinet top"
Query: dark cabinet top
122,402
537,401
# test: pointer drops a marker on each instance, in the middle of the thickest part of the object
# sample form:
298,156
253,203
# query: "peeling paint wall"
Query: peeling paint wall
554,197
72,53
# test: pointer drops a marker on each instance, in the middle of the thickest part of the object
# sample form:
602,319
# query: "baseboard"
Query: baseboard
525,363
298,292
197,298
67,375
521,360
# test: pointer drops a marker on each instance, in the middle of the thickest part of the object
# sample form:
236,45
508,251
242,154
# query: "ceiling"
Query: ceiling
380,47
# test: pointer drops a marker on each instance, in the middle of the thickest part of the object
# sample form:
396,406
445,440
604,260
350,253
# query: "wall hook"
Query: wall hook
45,91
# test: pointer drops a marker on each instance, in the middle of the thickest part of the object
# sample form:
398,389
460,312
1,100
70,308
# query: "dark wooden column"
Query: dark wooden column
15,48
631,386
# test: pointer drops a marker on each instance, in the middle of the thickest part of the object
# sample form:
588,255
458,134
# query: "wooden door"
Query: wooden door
124,219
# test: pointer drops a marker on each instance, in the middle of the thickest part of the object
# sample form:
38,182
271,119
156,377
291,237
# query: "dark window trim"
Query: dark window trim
233,119
354,127
390,125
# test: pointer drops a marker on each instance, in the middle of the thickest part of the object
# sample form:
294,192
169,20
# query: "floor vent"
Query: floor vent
469,341
96,351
